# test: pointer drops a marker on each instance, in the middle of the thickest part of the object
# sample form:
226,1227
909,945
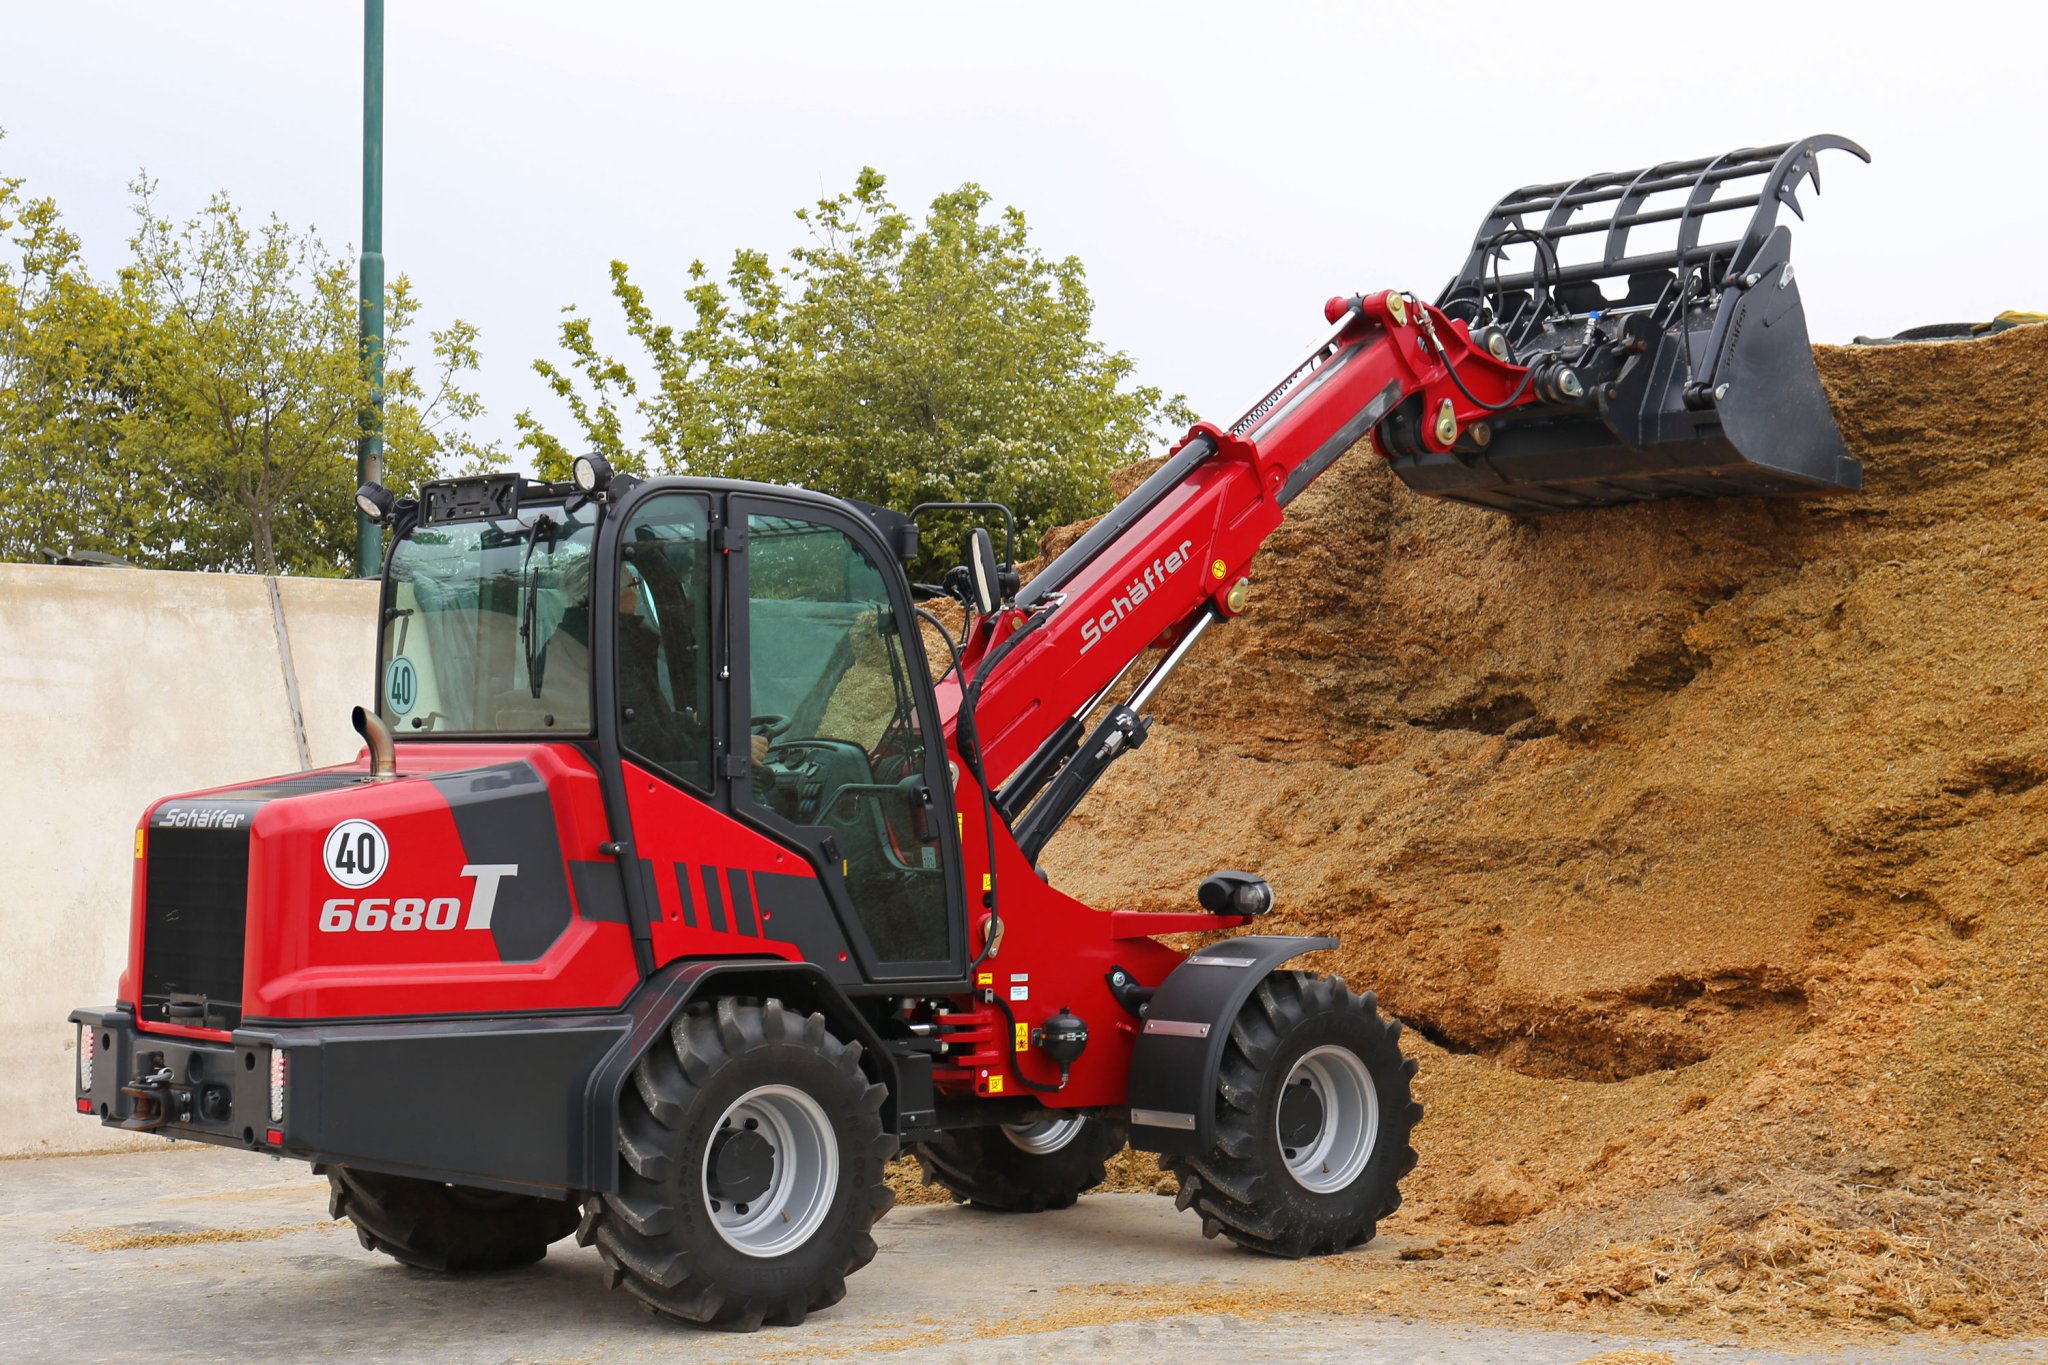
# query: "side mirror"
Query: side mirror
987,573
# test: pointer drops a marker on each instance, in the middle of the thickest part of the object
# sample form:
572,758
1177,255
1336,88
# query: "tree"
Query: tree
71,353
889,361
257,403
259,386
427,418
202,410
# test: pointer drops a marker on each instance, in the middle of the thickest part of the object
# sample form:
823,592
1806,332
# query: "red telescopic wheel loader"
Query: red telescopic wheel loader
676,888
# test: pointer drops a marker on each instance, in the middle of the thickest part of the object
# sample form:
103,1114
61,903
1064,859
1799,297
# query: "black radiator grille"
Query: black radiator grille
194,920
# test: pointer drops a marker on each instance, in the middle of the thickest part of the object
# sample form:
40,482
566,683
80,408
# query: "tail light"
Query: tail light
277,1086
86,1042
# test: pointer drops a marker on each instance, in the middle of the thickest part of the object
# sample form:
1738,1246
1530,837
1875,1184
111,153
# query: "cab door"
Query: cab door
829,671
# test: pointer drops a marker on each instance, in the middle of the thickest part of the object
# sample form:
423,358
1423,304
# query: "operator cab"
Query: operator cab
752,648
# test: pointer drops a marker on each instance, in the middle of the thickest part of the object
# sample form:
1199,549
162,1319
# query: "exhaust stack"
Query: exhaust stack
377,735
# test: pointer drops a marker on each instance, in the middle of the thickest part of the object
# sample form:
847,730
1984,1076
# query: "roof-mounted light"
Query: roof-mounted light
376,502
591,473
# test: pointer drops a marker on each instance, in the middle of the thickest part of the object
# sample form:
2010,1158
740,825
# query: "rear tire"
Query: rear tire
751,1169
454,1229
1315,1176
1022,1168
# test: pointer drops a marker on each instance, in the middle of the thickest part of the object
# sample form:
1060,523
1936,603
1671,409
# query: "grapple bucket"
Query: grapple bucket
1662,309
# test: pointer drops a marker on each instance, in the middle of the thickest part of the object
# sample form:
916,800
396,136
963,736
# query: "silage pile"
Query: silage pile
1700,844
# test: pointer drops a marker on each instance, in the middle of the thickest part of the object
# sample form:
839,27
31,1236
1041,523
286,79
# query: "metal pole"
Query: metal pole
370,449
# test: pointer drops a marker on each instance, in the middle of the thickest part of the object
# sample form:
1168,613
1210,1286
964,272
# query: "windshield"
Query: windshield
487,626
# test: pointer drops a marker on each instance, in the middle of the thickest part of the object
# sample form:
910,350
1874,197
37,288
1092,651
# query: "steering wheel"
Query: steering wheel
770,724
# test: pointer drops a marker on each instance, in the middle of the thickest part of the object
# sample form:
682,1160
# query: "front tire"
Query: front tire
454,1229
1022,1167
1313,1115
751,1169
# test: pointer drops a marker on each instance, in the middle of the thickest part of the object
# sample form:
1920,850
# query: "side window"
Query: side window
839,740
664,628
822,651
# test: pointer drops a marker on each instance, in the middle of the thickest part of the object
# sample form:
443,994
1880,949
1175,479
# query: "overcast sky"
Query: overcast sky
1220,169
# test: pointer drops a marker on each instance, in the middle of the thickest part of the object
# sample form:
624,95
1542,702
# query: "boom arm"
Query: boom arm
1163,563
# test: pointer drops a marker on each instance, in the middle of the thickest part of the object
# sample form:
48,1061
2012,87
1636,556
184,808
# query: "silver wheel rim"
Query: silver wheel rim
803,1181
1334,1157
1044,1137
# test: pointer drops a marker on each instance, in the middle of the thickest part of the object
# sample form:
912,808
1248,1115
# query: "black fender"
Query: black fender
1179,1051
800,985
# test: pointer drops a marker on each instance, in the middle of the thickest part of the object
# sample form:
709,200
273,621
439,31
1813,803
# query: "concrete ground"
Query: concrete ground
190,1253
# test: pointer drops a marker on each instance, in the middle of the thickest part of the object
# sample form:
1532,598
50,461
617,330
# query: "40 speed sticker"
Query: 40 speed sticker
401,686
355,853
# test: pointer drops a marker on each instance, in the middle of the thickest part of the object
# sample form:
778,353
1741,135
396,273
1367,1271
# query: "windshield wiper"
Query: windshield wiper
529,587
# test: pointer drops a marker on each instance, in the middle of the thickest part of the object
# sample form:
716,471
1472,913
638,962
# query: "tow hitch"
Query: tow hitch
155,1102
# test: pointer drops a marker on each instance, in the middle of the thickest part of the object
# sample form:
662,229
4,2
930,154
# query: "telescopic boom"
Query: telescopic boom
1522,392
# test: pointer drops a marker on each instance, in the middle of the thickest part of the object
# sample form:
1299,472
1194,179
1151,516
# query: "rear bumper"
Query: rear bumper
525,1103
206,1091
500,1103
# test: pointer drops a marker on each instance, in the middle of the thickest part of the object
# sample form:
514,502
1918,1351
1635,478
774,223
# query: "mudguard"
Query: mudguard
1179,1050
800,985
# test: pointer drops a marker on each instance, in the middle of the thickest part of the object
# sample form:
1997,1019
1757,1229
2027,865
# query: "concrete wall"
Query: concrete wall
118,686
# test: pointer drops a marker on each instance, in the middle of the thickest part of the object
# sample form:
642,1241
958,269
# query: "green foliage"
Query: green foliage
253,406
427,418
203,410
71,353
892,361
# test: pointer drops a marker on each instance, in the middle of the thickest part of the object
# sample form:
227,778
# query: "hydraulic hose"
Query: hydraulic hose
967,738
1017,1072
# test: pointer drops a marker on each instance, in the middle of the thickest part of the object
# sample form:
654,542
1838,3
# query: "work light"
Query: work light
376,502
591,473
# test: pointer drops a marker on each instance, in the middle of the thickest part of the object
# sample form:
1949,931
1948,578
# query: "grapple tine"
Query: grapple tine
1696,372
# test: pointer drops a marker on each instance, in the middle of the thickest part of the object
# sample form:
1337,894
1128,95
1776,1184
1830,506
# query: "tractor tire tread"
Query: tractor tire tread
1237,1188
644,1236
452,1230
982,1167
